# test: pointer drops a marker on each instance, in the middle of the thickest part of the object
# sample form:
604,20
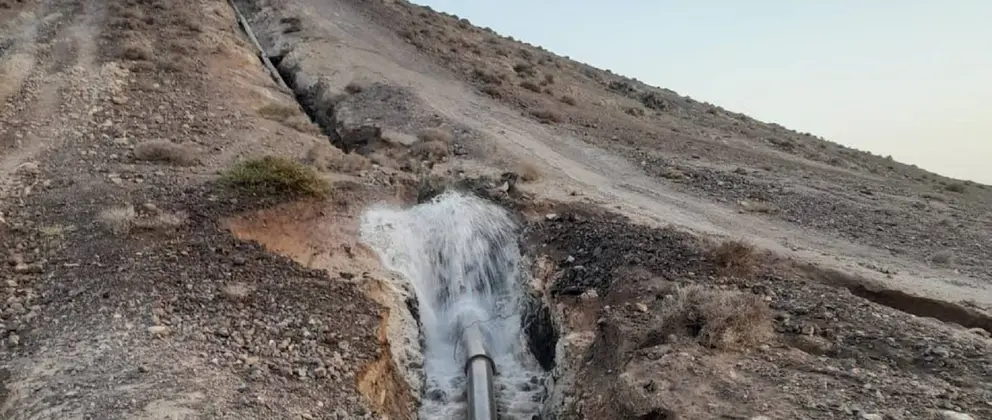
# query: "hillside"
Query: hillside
183,235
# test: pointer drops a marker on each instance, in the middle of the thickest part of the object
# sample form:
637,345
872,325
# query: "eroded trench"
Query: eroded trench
455,260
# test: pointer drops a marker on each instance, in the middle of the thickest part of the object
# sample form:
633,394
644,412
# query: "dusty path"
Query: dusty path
347,46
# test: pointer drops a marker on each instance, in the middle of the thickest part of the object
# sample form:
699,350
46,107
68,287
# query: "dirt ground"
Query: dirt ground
137,284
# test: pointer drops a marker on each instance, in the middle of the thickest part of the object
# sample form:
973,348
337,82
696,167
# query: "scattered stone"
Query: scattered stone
236,291
954,415
159,330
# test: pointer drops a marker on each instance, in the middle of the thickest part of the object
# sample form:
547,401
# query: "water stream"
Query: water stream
461,255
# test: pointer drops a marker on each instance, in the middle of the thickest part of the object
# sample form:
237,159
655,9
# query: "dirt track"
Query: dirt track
132,317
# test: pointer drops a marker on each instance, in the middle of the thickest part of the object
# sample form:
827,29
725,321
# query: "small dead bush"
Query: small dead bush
673,174
289,116
486,77
956,187
353,88
492,91
165,151
272,175
278,112
436,134
726,320
525,69
531,86
430,150
528,172
138,49
634,111
549,79
546,116
326,157
569,100
735,258
758,207
934,197
119,219
945,257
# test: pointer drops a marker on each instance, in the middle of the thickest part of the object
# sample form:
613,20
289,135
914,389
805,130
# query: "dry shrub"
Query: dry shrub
525,69
945,257
528,172
634,111
549,79
277,176
119,219
568,100
329,158
138,49
486,77
492,91
353,88
934,197
735,258
303,124
721,319
430,150
531,86
956,187
546,116
278,112
672,173
758,207
289,116
436,134
165,151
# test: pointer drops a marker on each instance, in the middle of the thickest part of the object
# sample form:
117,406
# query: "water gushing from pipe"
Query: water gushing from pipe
460,253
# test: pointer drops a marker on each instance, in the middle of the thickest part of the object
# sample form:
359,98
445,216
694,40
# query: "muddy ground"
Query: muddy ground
137,284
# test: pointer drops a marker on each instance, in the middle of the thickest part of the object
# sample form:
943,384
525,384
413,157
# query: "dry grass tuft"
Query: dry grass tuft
569,100
531,86
945,258
353,88
165,151
525,69
430,150
934,197
735,258
546,116
289,116
278,112
436,134
528,172
758,207
278,176
326,157
118,220
720,319
138,49
956,187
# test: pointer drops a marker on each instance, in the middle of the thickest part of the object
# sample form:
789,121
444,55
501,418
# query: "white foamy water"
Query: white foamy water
460,253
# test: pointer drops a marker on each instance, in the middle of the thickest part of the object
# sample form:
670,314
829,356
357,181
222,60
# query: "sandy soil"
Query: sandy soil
141,288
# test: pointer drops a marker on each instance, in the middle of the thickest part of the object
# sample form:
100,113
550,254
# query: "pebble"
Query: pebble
159,330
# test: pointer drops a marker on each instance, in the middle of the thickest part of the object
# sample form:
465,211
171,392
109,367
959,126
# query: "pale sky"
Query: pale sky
910,78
